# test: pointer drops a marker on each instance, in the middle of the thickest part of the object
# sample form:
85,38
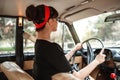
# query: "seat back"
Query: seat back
14,72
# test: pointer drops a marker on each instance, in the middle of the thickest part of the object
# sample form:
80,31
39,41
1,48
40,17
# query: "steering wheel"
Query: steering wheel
90,54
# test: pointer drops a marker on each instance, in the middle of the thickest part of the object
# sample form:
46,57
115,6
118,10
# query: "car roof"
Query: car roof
70,10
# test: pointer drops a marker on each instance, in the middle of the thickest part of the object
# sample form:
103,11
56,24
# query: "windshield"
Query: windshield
95,26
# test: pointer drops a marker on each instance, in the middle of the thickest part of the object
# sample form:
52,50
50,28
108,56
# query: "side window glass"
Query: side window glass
63,37
29,36
7,35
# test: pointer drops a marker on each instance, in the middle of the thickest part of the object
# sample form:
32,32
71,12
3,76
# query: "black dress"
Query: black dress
49,60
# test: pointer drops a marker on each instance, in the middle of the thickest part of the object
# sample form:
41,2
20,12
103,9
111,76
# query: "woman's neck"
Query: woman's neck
44,35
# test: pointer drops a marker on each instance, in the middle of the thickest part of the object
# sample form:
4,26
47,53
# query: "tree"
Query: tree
104,28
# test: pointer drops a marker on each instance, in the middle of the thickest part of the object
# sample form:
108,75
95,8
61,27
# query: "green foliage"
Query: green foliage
7,49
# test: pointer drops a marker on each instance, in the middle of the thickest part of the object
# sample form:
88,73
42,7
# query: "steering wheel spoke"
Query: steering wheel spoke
90,53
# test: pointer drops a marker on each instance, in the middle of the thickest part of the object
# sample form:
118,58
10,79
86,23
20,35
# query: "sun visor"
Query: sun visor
84,13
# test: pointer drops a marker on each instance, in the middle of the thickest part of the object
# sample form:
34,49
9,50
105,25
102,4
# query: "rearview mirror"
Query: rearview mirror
113,17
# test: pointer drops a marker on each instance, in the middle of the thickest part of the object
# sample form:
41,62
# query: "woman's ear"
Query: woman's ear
50,22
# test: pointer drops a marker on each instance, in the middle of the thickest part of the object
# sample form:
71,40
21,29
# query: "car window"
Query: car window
7,35
62,36
95,26
30,29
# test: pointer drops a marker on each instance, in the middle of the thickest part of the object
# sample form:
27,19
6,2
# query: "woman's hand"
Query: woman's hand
100,58
70,53
78,46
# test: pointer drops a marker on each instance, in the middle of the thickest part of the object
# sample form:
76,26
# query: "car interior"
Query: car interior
94,23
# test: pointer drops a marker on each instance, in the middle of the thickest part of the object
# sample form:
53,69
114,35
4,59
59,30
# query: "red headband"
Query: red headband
47,15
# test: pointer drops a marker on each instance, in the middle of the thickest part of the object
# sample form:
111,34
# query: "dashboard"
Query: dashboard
111,53
112,57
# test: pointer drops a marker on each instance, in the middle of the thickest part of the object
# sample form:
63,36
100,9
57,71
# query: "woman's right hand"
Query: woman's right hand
78,46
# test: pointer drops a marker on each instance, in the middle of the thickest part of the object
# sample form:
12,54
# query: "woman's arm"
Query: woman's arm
100,58
70,53
29,36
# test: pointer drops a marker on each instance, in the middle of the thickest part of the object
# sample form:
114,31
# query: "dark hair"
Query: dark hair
37,14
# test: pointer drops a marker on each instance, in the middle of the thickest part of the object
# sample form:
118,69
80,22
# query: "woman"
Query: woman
49,56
